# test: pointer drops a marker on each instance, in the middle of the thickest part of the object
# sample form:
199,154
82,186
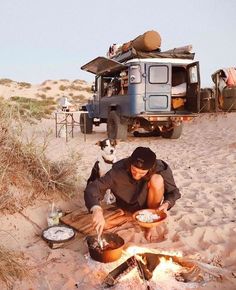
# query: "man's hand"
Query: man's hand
164,207
98,220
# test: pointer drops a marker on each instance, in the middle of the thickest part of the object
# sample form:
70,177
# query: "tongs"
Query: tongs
100,241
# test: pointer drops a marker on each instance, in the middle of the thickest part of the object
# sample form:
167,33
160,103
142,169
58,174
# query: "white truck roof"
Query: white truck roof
161,60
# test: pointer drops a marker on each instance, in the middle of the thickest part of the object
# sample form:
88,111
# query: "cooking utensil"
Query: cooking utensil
100,241
111,250
161,216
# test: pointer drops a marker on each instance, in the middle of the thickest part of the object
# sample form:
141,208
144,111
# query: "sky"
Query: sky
52,39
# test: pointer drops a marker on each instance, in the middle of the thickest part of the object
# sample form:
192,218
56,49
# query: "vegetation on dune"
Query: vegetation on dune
78,98
24,85
12,267
8,82
26,174
75,87
5,82
30,109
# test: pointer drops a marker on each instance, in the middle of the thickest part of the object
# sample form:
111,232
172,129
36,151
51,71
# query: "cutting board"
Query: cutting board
82,221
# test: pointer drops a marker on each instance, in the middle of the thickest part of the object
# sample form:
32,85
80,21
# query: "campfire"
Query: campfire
151,267
148,267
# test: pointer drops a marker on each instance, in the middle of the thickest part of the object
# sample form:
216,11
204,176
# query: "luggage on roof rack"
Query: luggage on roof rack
133,53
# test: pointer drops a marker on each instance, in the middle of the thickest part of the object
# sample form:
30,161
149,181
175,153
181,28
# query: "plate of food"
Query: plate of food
148,218
58,234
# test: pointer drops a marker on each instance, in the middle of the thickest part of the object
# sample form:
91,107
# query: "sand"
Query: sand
201,225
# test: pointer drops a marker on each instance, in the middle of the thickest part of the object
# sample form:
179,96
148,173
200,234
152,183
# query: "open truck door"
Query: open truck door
193,87
101,67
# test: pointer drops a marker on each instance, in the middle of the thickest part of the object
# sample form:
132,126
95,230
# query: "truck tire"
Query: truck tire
115,128
175,133
86,123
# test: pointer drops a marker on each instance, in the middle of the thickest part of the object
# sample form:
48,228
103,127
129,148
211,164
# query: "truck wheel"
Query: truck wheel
174,133
86,123
115,128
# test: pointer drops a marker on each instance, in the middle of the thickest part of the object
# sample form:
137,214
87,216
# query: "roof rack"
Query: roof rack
172,53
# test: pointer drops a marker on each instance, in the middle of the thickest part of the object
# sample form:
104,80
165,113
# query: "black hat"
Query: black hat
143,158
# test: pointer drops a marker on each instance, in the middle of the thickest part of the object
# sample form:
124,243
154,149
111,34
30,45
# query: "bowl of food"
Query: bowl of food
106,249
149,218
58,234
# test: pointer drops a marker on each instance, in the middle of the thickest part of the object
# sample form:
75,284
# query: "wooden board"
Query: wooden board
82,221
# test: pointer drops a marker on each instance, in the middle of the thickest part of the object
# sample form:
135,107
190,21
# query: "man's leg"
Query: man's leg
155,191
154,199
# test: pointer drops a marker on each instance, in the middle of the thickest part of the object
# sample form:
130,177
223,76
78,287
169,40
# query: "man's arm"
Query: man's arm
95,190
171,193
93,194
94,173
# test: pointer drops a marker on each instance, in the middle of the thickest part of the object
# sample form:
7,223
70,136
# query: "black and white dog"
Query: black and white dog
104,163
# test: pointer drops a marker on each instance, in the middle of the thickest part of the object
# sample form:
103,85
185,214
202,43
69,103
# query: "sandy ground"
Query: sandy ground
202,224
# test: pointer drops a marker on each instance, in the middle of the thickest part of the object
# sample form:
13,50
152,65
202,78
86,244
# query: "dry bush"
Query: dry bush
77,87
80,82
64,80
63,87
45,89
12,267
41,96
26,174
24,85
6,82
79,98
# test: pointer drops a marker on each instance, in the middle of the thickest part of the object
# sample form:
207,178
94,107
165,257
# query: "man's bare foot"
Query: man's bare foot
155,234
150,233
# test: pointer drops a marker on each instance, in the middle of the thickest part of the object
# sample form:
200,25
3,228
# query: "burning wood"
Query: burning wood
151,265
124,268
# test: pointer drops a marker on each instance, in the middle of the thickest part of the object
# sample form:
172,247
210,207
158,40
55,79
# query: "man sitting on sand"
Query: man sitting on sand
139,181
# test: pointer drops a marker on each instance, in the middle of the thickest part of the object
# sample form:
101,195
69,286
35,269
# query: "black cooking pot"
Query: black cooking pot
111,251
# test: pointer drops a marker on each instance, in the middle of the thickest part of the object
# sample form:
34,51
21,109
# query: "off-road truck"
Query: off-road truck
142,94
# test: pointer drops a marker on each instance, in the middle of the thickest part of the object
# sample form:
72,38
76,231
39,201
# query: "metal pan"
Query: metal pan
111,252
57,229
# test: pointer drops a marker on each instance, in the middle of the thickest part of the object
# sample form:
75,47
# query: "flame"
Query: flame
167,265
164,269
162,273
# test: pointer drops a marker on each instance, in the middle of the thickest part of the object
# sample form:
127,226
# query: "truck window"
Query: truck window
124,81
179,76
135,74
158,74
193,74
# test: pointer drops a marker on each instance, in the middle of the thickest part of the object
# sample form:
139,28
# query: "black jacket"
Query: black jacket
130,194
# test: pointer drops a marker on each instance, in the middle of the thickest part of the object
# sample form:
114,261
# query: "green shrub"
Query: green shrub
63,88
34,109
